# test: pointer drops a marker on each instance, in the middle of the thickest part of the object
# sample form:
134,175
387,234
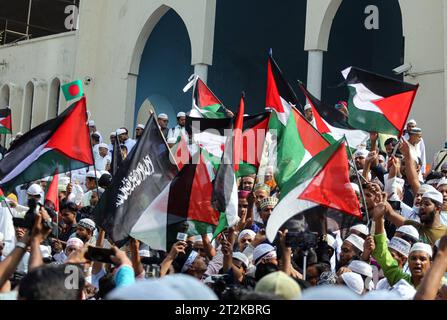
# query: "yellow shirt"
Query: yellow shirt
428,234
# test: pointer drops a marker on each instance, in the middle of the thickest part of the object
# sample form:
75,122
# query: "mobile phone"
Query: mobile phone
99,254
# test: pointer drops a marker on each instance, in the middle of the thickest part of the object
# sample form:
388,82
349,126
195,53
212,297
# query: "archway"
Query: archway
54,98
5,96
164,68
352,44
27,111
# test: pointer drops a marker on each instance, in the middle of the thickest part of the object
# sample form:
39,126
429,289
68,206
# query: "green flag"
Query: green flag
73,90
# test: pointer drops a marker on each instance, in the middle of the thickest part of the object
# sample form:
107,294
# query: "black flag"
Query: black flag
138,181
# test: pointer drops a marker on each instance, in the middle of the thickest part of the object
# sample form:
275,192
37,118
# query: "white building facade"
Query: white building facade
108,46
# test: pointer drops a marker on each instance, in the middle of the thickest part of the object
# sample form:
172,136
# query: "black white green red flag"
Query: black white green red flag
377,103
61,144
297,141
5,121
322,181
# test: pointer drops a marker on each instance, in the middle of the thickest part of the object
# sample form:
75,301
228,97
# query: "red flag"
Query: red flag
52,195
238,125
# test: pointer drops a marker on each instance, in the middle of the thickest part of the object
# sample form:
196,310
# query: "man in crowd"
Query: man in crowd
123,136
179,129
163,121
139,131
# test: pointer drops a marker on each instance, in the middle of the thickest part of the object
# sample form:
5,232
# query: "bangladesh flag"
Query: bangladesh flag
73,90
322,181
297,140
5,121
377,103
205,104
332,123
61,144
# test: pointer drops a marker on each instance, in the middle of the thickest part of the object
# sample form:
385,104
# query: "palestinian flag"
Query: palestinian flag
73,90
181,152
322,181
126,207
296,139
5,121
52,194
2,195
61,144
332,123
209,135
205,104
377,103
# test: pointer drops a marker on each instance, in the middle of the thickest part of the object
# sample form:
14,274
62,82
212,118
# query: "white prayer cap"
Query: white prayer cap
412,121
113,134
140,126
330,241
361,267
103,145
356,241
120,131
87,224
441,182
400,245
91,123
354,282
381,157
181,114
75,242
437,243
261,251
434,195
2,237
163,116
405,290
415,130
381,295
425,187
409,231
172,140
363,229
361,153
35,190
93,174
171,287
420,246
241,257
328,292
246,232
307,107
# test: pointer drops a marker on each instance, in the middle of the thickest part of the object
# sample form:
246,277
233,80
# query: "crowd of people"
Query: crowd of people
397,252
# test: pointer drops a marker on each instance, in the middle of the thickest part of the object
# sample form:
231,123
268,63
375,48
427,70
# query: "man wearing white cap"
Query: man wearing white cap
360,157
123,136
91,180
413,135
92,129
179,129
139,131
419,256
308,114
163,122
430,228
103,159
36,192
112,142
351,249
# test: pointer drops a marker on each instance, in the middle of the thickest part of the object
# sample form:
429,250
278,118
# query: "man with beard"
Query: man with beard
139,131
442,187
351,249
430,228
84,231
420,255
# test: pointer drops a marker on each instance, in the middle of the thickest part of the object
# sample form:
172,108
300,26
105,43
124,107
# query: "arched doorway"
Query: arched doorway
351,43
164,69
27,111
5,96
54,98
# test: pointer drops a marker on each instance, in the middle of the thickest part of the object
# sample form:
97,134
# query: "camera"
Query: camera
303,240
30,217
403,68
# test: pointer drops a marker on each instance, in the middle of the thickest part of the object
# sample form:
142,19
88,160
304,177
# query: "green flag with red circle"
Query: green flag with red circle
73,90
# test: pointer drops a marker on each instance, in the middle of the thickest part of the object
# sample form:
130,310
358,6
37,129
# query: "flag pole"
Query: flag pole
360,184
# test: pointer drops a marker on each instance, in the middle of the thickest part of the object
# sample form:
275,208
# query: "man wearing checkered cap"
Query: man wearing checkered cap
85,230
267,205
